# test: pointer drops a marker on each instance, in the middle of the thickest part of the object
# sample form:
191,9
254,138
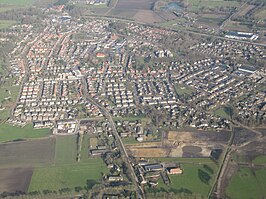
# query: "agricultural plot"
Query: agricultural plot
250,181
10,133
135,4
67,176
197,5
17,179
27,154
6,5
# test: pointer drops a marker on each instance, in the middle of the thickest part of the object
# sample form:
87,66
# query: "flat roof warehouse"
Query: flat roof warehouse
242,36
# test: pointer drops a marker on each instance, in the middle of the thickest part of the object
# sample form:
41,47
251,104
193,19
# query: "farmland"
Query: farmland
66,172
196,5
6,5
10,133
27,153
15,179
57,177
135,4
250,181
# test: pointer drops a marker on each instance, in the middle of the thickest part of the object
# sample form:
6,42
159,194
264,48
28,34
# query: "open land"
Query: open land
6,23
57,177
10,133
189,182
182,144
65,149
250,181
27,153
16,179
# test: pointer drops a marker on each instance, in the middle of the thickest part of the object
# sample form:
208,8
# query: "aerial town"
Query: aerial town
107,107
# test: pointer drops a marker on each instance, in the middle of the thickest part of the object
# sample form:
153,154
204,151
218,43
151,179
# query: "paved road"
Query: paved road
108,116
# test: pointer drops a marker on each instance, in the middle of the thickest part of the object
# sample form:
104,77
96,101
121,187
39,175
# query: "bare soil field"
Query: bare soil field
147,16
149,152
242,135
245,10
135,4
17,179
182,144
27,153
145,144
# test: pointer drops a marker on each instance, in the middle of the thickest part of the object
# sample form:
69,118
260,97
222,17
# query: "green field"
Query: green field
67,173
17,2
8,95
9,133
260,160
188,182
196,5
67,176
130,140
7,91
6,5
183,90
66,149
221,112
5,24
247,183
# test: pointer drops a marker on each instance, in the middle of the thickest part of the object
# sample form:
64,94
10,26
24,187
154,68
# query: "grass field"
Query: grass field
221,112
189,181
260,160
8,95
67,176
7,91
66,149
9,133
182,90
17,2
129,140
5,24
250,182
6,5
196,5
